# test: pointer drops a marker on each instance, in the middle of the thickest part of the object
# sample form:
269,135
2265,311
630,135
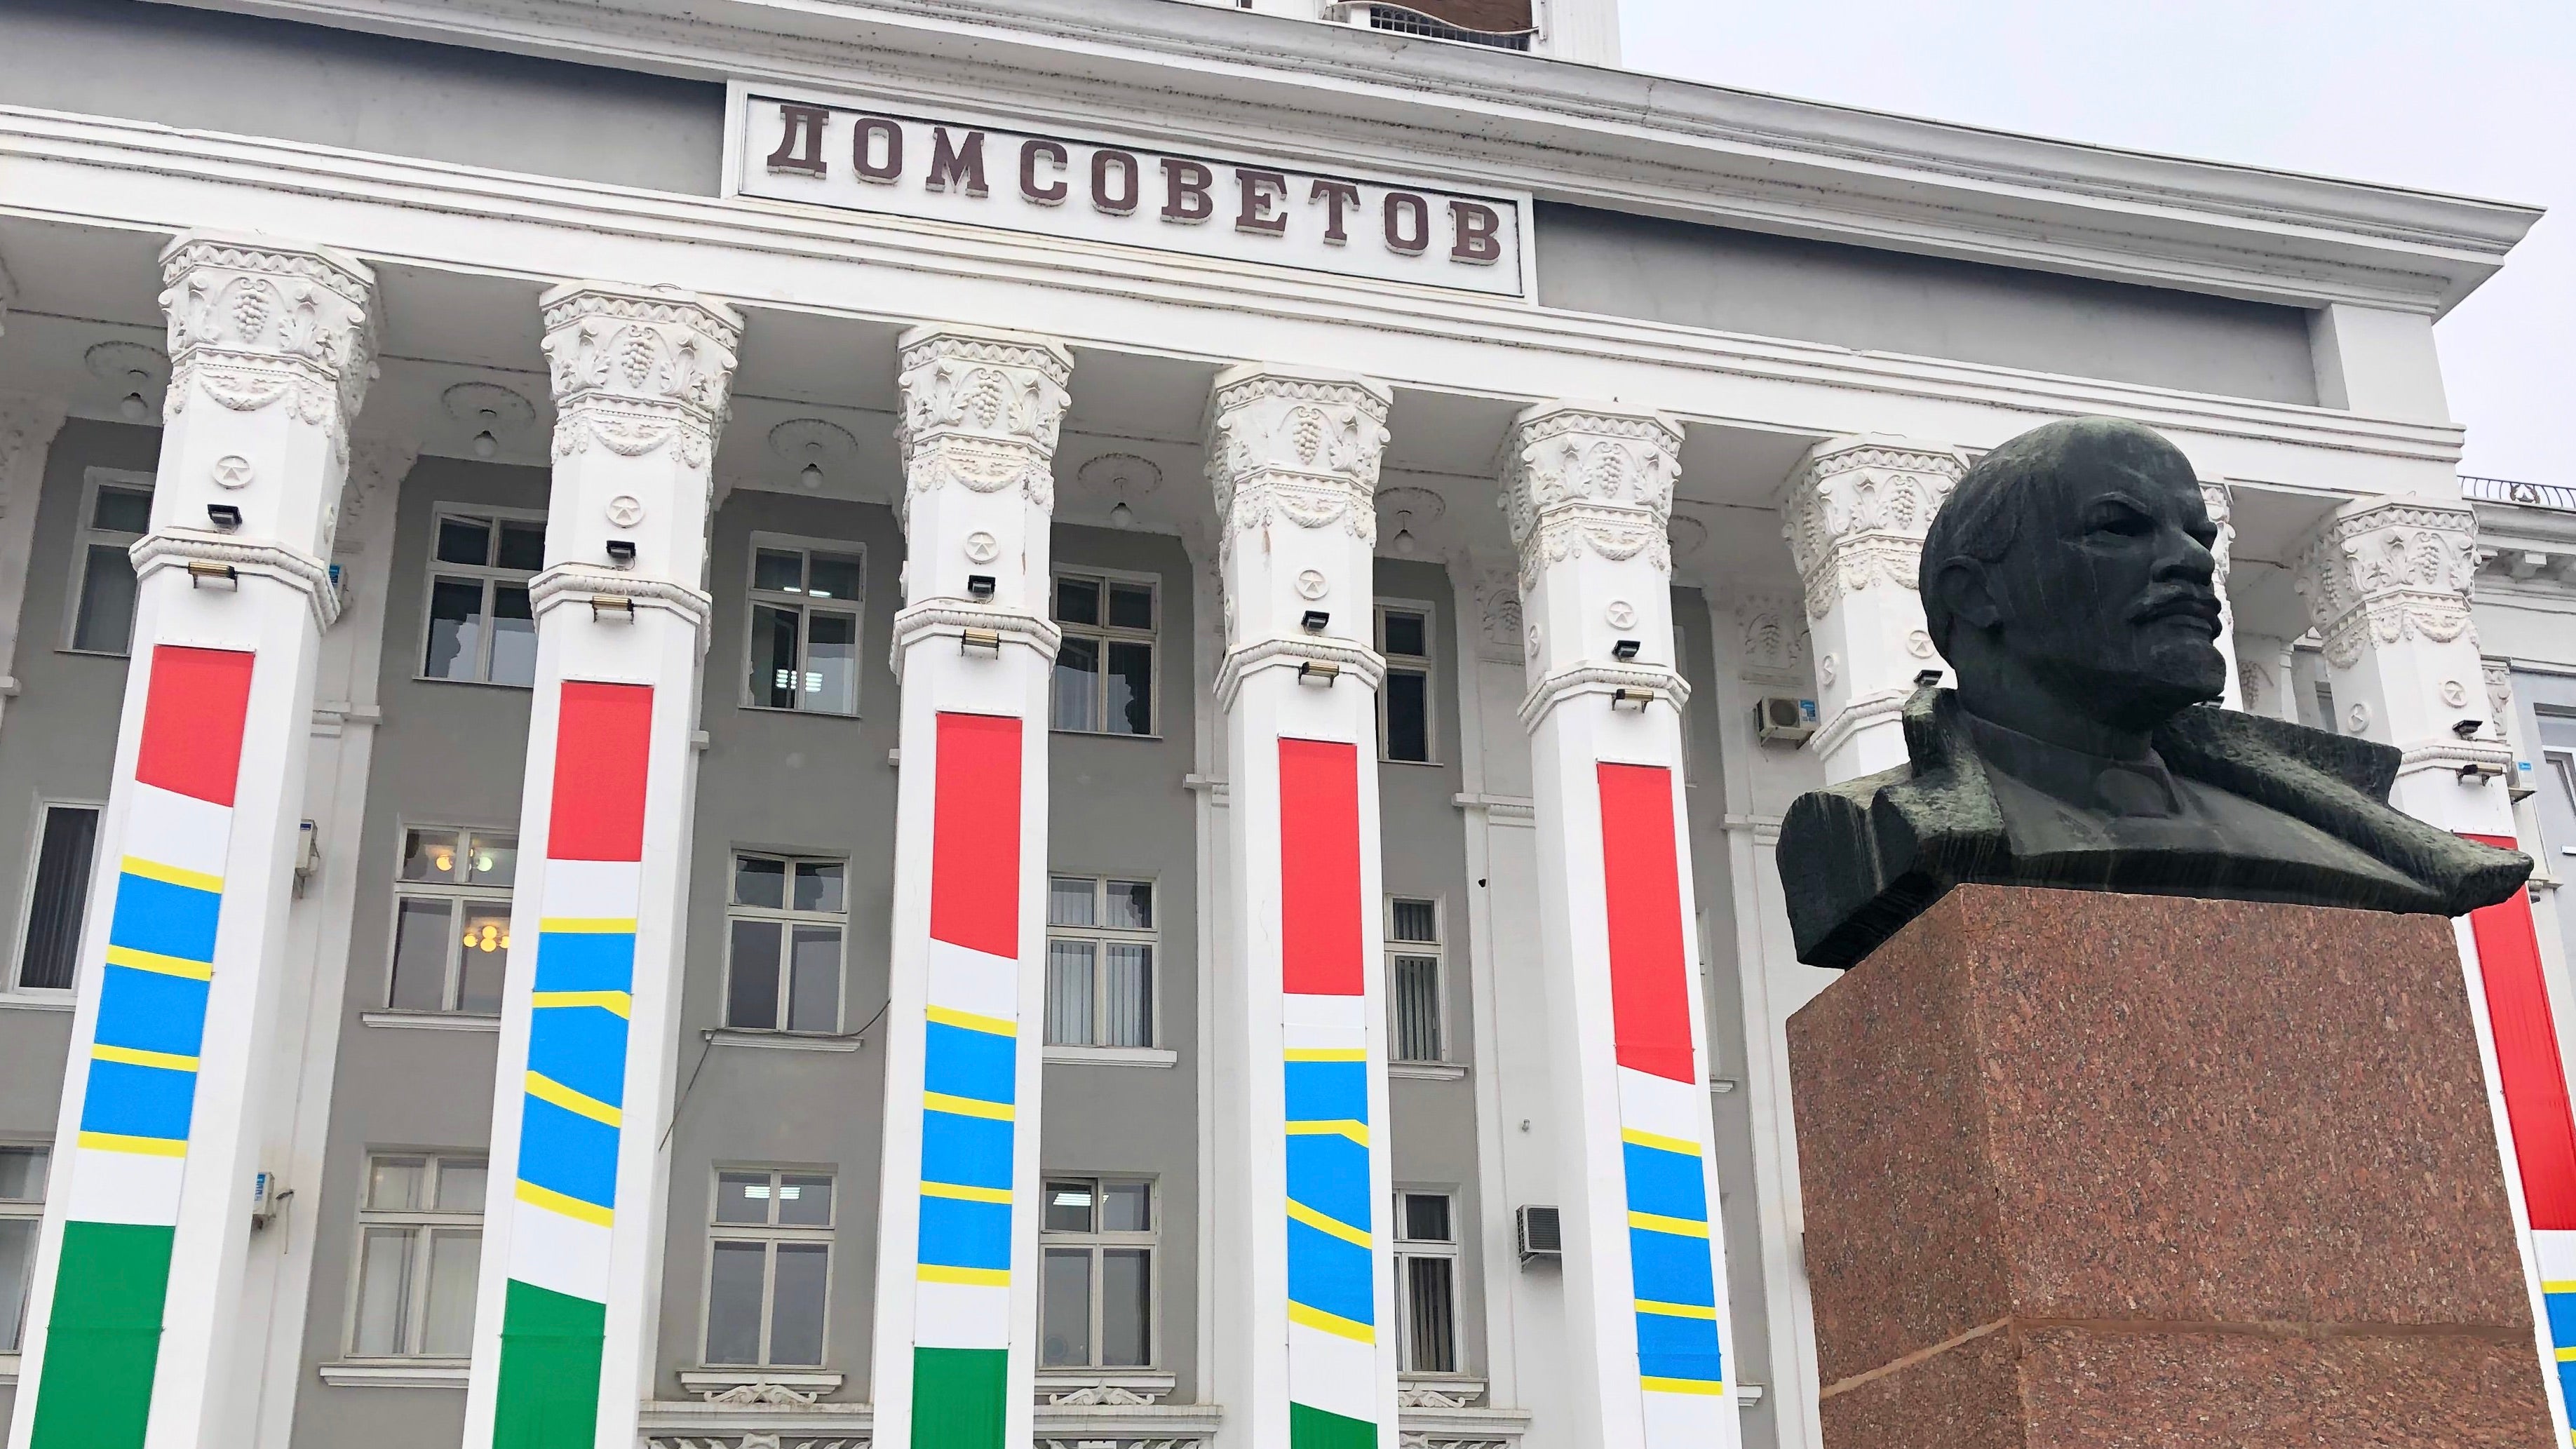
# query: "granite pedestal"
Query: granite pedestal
2085,1169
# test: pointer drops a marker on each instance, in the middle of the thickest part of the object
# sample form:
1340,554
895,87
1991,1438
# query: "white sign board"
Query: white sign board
840,154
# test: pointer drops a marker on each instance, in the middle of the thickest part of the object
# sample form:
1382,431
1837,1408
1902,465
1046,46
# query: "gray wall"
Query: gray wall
1884,301
210,71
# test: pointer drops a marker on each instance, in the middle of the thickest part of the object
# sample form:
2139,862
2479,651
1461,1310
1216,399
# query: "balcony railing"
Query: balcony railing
2507,490
1404,20
767,1416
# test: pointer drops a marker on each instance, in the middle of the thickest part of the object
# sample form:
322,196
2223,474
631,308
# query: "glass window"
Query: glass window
1413,981
804,651
1104,671
420,1249
1096,1284
118,513
769,1268
1100,962
1404,705
452,920
66,843
783,944
22,1211
1426,1278
481,628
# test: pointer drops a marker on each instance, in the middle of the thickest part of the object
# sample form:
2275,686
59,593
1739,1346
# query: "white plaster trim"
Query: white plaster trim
1135,1381
785,1041
1855,716
1500,809
1602,680
1107,1056
175,548
951,618
1427,1071
1364,666
394,1375
717,1380
579,583
430,1021
37,1000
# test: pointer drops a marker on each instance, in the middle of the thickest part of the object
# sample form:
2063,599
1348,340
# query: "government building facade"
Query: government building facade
958,723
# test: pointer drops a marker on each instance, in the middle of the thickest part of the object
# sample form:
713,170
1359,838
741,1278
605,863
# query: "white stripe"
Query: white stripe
593,889
1329,1372
964,979
960,1315
175,829
1327,1013
1662,1106
2556,1251
565,1254
1688,1421
125,1187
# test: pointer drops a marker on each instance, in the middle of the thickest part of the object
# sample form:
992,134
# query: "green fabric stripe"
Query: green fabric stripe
957,1397
1315,1429
104,1337
550,1350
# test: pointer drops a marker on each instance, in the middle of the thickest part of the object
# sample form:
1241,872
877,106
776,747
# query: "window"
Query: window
1100,962
117,512
1096,1289
22,1212
420,1248
769,1268
804,652
66,843
452,920
480,626
1426,1278
783,946
1413,980
1404,706
1104,673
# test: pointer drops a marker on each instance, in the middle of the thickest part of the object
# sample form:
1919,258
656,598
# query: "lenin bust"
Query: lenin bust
2068,583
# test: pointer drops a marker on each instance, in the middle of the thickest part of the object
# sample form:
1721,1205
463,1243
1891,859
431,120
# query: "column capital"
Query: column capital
2396,568
981,411
1303,446
1856,511
253,322
1590,476
634,368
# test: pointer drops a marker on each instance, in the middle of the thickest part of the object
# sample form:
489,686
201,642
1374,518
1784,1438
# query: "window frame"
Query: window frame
423,1224
1106,635
754,596
769,1235
26,1210
452,984
1096,1241
1438,950
16,977
1404,1248
489,575
84,536
788,918
1100,937
1428,667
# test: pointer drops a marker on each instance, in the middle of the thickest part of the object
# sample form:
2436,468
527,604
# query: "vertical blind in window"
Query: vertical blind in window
61,898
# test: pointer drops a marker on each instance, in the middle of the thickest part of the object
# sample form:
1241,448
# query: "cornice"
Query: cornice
176,548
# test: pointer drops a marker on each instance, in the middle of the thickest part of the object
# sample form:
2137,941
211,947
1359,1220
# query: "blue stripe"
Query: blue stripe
1327,1091
965,1234
151,1012
585,961
1325,1272
1666,1184
1678,1348
164,919
965,1151
2567,1382
583,1047
568,1153
133,1101
1330,1175
2562,1319
977,1064
1670,1268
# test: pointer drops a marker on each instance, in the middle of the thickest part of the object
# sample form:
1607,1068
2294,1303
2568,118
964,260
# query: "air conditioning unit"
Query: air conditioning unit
1540,1236
1780,717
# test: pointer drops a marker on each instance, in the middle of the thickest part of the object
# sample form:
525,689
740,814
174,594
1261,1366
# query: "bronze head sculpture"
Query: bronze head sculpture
2068,581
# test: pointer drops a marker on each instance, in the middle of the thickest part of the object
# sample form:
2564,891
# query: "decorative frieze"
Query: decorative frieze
638,370
1856,514
1577,480
253,325
2392,572
1297,449
1771,641
981,412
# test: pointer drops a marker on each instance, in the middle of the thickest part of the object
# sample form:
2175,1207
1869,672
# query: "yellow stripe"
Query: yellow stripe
196,880
993,1025
969,1106
160,965
132,1057
972,1277
1356,1131
547,1089
1658,1223
2563,1285
1299,1212
1682,1386
619,1003
137,1146
588,925
1328,1054
1675,1310
966,1194
562,1206
1332,1323
1659,1142
2567,1355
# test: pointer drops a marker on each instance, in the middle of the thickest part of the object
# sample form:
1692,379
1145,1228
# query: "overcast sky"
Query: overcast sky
2476,97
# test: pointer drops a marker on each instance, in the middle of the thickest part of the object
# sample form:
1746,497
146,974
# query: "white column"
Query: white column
147,1227
1855,517
27,428
2218,500
1589,491
572,1229
958,1205
1306,1354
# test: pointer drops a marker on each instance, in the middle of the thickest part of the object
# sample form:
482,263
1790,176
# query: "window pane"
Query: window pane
454,1256
429,855
832,576
779,570
1069,900
796,1315
742,1197
122,510
1405,635
1069,1004
1068,1206
1417,921
1431,1345
758,882
804,1200
485,943
514,636
1064,1308
106,621
460,1186
492,859
1131,606
1077,684
1127,997
818,885
832,662
455,629
1131,905
1126,1291
814,987
1416,989
17,1264
733,1303
394,1183
22,1174
384,1293
1408,715
1426,1217
773,657
465,540
1127,1207
1131,689
523,546
1077,601
420,956
751,989
57,905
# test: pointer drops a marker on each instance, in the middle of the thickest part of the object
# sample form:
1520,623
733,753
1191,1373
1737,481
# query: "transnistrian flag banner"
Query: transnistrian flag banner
1662,1103
969,1093
554,1317
1332,1279
138,1072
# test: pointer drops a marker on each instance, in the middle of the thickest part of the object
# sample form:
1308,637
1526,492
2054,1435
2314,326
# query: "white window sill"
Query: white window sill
1101,735
430,1021
438,1374
476,683
1147,1383
703,1381
794,713
1423,764
784,1041
1427,1071
35,1001
8,1369
1465,1388
1092,1056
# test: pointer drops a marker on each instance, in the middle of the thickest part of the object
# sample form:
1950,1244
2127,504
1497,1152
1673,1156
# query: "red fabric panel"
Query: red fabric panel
192,721
975,835
1641,865
2526,1043
1319,868
603,740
